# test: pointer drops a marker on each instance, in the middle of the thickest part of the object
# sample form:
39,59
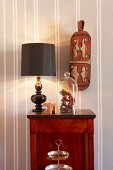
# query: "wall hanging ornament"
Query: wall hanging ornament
80,57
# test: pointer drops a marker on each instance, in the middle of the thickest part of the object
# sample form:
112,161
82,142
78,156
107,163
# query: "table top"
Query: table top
82,113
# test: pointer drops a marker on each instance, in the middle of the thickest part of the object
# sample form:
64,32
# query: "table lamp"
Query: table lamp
38,59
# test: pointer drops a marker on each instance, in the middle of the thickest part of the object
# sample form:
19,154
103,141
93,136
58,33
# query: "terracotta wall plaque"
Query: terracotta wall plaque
80,57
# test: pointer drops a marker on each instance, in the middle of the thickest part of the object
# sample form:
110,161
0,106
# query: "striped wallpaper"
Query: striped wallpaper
53,21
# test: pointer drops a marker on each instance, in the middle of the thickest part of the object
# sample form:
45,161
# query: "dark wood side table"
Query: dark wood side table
76,133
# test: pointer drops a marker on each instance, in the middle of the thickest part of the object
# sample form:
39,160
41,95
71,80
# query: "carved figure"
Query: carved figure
67,102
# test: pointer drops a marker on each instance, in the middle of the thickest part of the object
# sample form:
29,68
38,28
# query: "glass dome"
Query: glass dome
68,94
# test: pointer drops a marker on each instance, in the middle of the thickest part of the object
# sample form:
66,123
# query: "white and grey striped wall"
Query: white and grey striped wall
53,21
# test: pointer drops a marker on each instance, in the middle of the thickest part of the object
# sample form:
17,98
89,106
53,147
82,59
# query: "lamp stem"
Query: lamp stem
38,98
38,85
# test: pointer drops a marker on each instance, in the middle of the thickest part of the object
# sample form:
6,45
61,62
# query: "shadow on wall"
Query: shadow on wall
63,59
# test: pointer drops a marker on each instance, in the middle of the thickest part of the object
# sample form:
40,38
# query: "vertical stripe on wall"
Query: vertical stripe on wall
10,85
16,83
25,33
2,92
21,35
77,19
56,7
36,26
77,11
4,54
57,50
14,86
99,85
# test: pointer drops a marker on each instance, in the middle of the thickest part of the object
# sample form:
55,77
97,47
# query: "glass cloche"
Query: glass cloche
68,94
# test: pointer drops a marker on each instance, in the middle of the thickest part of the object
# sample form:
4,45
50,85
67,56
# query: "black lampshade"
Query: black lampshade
38,59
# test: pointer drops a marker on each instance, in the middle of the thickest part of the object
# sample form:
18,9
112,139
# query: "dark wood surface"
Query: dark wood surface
83,113
76,133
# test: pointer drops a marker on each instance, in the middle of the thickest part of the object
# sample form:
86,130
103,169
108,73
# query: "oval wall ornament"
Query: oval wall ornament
80,57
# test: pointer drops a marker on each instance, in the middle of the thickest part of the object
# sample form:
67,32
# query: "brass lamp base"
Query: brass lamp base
38,98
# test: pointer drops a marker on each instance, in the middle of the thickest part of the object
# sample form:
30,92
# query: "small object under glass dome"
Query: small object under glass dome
68,97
